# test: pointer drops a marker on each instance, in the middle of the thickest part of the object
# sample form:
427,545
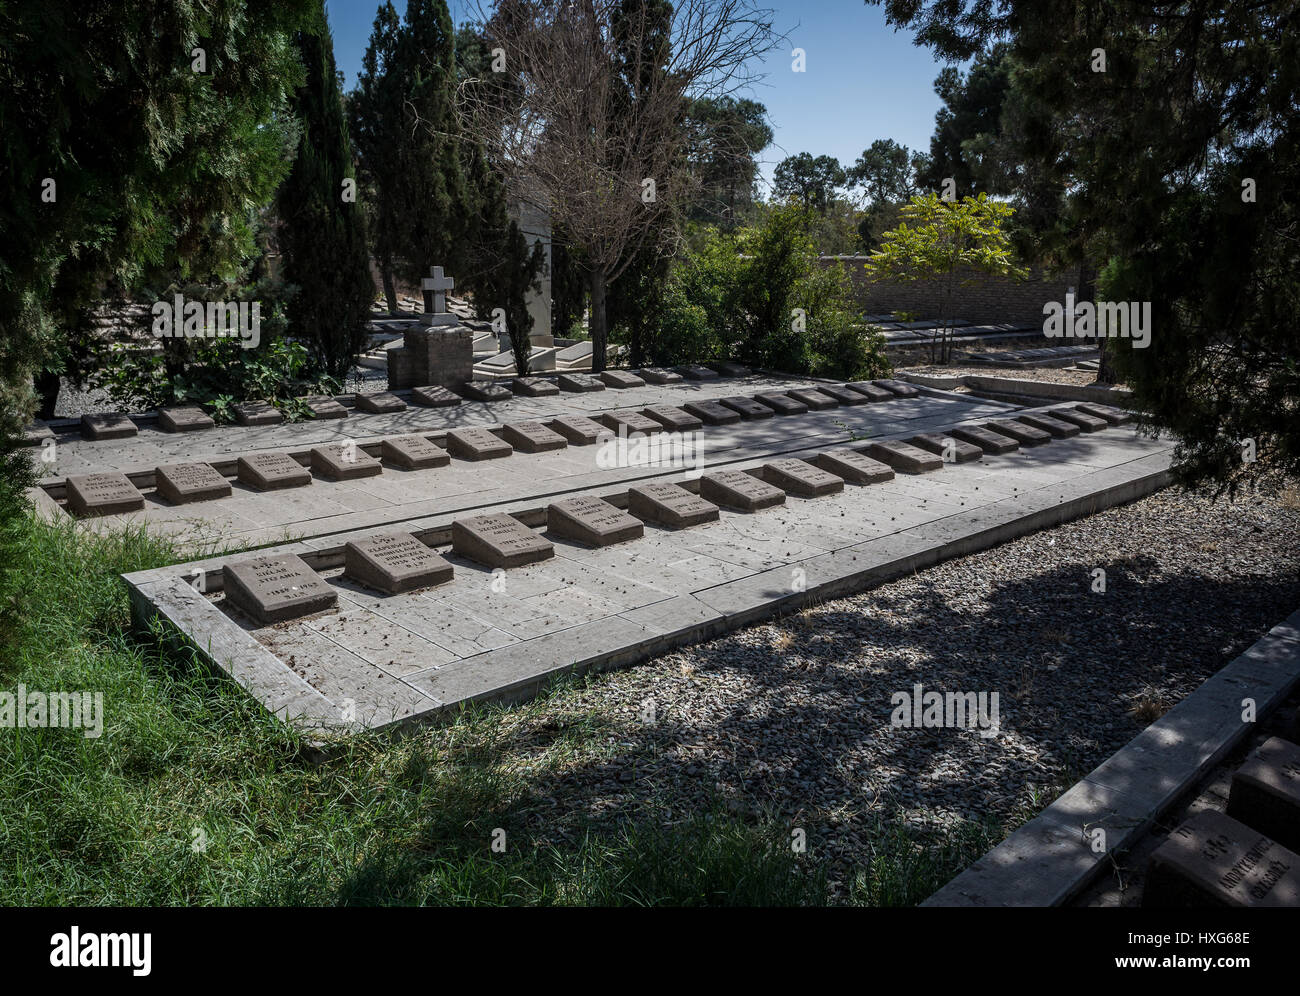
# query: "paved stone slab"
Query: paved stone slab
181,483
897,387
943,444
1115,416
1086,422
711,412
628,422
1213,860
781,404
593,521
986,439
870,391
257,413
658,375
1025,435
271,471
578,429
102,494
109,425
1265,792
413,453
813,398
531,437
843,395
1054,426
738,490
854,466
322,406
477,444
485,390
903,456
394,563
380,403
693,371
673,419
579,383
534,387
748,408
434,396
670,505
799,477
190,418
343,462
499,541
621,379
273,589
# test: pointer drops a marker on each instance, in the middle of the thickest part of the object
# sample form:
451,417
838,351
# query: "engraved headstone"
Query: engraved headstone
534,387
270,471
485,390
729,369
628,422
37,434
273,589
102,494
434,396
257,413
579,383
188,418
711,412
658,375
844,395
1086,422
693,371
854,466
578,429
1023,434
741,491
621,379
813,398
944,444
532,437
1115,416
394,563
1265,792
669,505
592,521
110,425
799,477
181,483
897,387
477,444
322,406
673,419
986,439
343,462
780,403
748,408
1213,860
499,541
904,457
870,391
413,453
380,403
1054,426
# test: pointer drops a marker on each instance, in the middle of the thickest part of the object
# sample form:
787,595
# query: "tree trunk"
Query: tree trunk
47,389
1087,289
390,288
599,332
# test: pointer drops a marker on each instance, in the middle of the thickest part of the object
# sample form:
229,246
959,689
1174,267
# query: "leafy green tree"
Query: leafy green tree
726,136
813,180
887,173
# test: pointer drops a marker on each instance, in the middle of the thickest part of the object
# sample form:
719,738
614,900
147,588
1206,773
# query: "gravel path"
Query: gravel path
1051,375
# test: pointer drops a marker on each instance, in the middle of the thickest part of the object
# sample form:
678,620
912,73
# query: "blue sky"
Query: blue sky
863,79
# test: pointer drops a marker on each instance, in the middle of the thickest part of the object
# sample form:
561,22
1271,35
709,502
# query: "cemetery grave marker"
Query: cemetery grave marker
673,419
781,404
1054,426
854,466
321,406
498,541
621,379
1115,416
1023,434
534,387
670,505
413,453
843,395
628,422
938,442
579,383
102,494
484,390
380,403
904,456
693,371
110,425
729,369
343,462
741,491
897,387
872,392
1086,422
477,444
578,429
986,439
748,408
658,375
189,418
1265,792
813,398
1213,860
273,589
257,413
394,563
182,483
711,412
592,521
532,437
271,471
799,477
434,396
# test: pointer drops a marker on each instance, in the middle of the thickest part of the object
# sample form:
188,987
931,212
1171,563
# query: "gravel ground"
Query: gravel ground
792,718
1050,375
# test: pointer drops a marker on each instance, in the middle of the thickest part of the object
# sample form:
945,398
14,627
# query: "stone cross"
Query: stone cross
435,289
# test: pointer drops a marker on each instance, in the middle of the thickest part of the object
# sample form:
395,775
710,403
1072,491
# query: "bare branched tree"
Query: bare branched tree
584,113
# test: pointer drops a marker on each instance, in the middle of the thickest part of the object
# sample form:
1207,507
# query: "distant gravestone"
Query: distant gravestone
189,418
578,429
813,398
620,379
434,396
658,375
673,419
711,412
579,383
741,491
1115,416
1023,434
499,541
107,426
1213,860
748,408
799,477
102,494
592,521
1054,426
477,444
670,505
872,392
257,413
532,437
181,483
322,406
844,395
483,390
628,422
413,453
941,444
904,457
271,471
1265,792
380,403
273,589
854,466
986,439
1086,422
343,462
534,387
693,371
781,404
394,563
897,387
729,369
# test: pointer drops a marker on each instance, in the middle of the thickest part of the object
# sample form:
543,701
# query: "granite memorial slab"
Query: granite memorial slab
781,404
621,379
844,395
532,437
729,369
944,444
102,494
670,505
799,477
903,456
434,396
477,444
394,563
897,387
1265,792
872,392
1054,426
485,390
694,371
578,429
1023,434
379,403
271,471
854,466
627,422
186,418
739,490
712,413
109,425
592,521
36,435
1214,860
986,439
1086,422
257,413
748,408
499,541
1115,416
534,387
182,483
813,398
322,406
344,462
658,375
673,419
413,453
272,589
579,383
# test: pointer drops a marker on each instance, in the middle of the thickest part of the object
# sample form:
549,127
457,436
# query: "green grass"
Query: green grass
194,795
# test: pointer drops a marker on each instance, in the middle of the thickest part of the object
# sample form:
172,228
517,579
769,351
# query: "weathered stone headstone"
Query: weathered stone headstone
188,418
36,435
110,425
729,369
813,398
271,471
578,429
628,422
273,589
343,462
102,494
1115,416
621,379
477,444
673,419
712,413
780,403
592,521
1054,426
986,439
748,408
669,505
534,387
257,413
434,396
499,541
1265,792
904,457
799,477
943,444
380,403
693,371
854,466
532,437
413,453
485,390
870,391
322,406
1086,422
394,563
1213,860
181,483
658,375
741,491
579,383
1023,434
897,387
844,395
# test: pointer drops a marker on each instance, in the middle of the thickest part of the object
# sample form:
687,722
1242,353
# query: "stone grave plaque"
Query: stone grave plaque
897,387
434,396
270,471
673,419
844,395
871,391
102,494
1265,792
578,383
1115,416
1023,434
904,457
322,406
938,442
592,521
534,387
711,412
854,466
110,425
799,477
729,369
781,404
477,444
628,422
741,491
986,439
381,403
273,589
343,462
621,379
485,390
35,435
532,437
257,413
578,429
1213,860
669,505
394,563
813,398
181,483
658,375
499,541
1054,426
1086,422
188,418
748,408
413,453
694,371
